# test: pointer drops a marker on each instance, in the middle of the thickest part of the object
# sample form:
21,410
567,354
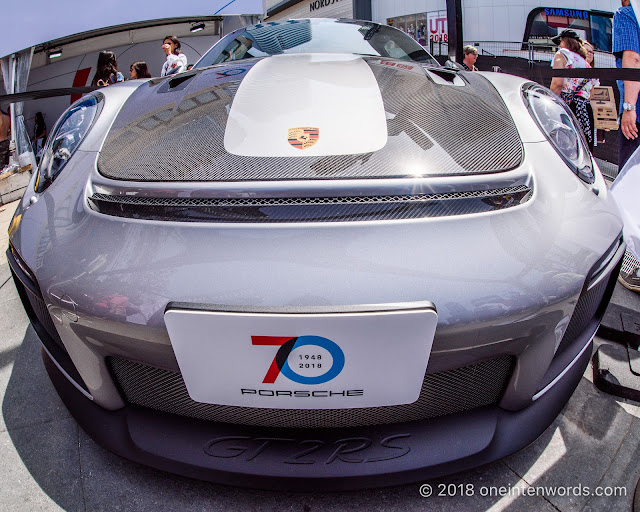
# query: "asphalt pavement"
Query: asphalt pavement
588,459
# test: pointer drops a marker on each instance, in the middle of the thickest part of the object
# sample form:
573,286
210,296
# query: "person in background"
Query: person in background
470,58
422,37
139,70
5,132
626,49
176,60
589,49
574,91
39,135
106,70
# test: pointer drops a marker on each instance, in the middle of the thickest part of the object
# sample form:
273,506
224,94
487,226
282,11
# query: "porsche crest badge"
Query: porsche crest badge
303,138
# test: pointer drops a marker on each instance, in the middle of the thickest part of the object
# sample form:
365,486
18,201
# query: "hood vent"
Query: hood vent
444,77
309,209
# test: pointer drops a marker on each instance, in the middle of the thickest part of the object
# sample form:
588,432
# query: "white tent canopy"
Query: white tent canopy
42,21
32,23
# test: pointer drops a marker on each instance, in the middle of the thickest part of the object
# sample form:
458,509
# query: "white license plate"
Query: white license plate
303,360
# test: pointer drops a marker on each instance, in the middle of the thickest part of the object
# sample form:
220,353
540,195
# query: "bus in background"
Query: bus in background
496,29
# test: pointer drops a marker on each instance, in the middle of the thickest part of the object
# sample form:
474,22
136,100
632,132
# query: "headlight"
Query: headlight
558,123
66,136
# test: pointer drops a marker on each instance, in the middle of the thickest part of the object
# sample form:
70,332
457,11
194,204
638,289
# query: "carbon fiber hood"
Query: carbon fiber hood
436,123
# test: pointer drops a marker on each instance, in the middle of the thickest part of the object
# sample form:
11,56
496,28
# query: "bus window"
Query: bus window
601,32
546,22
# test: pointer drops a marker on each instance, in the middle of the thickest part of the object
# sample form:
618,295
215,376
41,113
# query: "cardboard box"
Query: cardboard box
12,185
605,111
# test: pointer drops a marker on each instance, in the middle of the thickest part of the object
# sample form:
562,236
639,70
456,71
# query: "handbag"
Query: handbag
569,96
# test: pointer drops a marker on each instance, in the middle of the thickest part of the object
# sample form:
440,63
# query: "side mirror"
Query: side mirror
449,64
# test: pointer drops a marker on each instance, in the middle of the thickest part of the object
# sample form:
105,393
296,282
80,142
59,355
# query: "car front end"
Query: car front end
313,270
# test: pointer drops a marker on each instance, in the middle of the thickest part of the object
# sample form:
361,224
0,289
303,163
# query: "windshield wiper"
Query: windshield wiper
371,32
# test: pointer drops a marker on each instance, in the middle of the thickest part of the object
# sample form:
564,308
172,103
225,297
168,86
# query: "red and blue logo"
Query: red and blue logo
288,344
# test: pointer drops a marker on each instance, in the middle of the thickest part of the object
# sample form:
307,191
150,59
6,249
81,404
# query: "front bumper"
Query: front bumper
327,459
332,458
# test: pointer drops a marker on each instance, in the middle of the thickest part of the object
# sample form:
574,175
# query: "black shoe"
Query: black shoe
630,280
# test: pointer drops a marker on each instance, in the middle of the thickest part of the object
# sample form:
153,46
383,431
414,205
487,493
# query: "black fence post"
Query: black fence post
454,22
362,9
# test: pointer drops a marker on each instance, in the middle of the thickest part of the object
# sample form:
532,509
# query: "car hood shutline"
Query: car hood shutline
433,129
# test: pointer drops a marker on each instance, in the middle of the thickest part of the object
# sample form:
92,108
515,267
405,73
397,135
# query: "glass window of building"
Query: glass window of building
415,25
601,32
422,34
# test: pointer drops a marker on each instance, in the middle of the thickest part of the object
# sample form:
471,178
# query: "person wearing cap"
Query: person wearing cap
574,91
470,58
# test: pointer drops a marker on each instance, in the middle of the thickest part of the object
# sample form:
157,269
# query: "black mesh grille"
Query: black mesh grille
309,209
41,311
299,201
42,323
629,262
591,305
433,130
442,393
32,301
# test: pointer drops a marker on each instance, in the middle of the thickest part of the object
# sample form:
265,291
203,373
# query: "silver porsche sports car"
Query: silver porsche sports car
317,260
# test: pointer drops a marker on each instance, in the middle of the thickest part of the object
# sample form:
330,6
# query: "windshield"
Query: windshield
315,36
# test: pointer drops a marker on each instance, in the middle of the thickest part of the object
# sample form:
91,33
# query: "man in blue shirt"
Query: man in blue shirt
626,48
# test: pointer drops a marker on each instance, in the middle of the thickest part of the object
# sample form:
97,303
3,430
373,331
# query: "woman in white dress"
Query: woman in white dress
574,91
176,60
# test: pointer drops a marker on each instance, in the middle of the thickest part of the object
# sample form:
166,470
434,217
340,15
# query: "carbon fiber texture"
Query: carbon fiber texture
442,393
309,209
274,38
165,134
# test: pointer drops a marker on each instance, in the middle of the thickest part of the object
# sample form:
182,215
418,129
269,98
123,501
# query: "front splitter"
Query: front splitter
316,459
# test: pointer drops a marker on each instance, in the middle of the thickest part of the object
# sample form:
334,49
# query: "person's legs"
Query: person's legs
580,108
629,276
4,153
626,147
630,280
591,139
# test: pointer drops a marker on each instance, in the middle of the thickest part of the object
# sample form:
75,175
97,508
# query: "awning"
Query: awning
33,23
